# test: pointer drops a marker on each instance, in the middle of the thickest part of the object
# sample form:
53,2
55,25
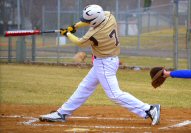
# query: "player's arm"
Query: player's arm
81,42
180,74
73,28
81,24
74,38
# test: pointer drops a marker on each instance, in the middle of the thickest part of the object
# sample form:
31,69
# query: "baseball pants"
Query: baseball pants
104,72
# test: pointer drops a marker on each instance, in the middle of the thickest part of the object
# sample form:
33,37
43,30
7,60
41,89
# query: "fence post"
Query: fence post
21,50
58,34
175,34
188,35
9,49
19,14
139,25
43,24
33,48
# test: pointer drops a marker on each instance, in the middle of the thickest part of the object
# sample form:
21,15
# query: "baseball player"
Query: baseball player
102,36
178,73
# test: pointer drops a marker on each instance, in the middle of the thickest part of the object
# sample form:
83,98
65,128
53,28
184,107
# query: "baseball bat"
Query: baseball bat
28,32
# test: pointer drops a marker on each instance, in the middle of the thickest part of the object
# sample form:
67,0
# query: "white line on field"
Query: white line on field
81,117
80,126
77,117
102,118
16,116
184,123
32,120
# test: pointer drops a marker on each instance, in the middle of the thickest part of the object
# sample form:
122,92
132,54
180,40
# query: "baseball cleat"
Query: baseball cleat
154,114
53,117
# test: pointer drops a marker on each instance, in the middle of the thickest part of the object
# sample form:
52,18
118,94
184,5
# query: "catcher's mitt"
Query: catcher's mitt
157,76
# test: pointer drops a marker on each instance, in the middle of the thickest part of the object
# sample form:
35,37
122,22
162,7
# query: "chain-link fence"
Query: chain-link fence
144,31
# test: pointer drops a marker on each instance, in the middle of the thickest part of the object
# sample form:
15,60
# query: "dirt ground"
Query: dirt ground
24,119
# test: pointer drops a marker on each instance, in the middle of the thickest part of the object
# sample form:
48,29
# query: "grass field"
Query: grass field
53,85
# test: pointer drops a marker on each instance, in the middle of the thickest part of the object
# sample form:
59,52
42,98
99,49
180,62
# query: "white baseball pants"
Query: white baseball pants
103,72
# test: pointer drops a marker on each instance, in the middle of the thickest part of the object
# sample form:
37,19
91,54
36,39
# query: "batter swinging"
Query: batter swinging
102,36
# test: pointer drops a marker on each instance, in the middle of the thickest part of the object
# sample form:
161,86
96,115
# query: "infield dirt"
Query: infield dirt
24,119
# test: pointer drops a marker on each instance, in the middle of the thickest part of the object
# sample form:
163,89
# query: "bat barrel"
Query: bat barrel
21,33
28,32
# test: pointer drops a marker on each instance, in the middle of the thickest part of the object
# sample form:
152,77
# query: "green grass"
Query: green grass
53,85
131,61
152,61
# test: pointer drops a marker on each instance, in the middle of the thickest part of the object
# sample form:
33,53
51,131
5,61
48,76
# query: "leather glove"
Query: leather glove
157,76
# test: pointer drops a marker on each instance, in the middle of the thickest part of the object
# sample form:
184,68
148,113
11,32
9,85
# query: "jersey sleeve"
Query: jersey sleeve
86,39
81,42
181,74
81,24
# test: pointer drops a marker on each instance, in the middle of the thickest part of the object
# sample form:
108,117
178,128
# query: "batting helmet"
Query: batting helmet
93,14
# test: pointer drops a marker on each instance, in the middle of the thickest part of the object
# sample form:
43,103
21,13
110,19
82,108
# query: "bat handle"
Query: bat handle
50,31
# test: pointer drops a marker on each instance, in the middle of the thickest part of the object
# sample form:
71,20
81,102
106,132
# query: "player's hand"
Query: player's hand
63,32
71,28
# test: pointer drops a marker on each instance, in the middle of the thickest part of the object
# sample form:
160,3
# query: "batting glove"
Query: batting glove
63,32
72,28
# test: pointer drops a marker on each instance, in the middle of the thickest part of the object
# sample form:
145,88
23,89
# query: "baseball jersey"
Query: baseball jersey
103,38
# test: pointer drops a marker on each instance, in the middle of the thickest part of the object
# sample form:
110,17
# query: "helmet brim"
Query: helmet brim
85,20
